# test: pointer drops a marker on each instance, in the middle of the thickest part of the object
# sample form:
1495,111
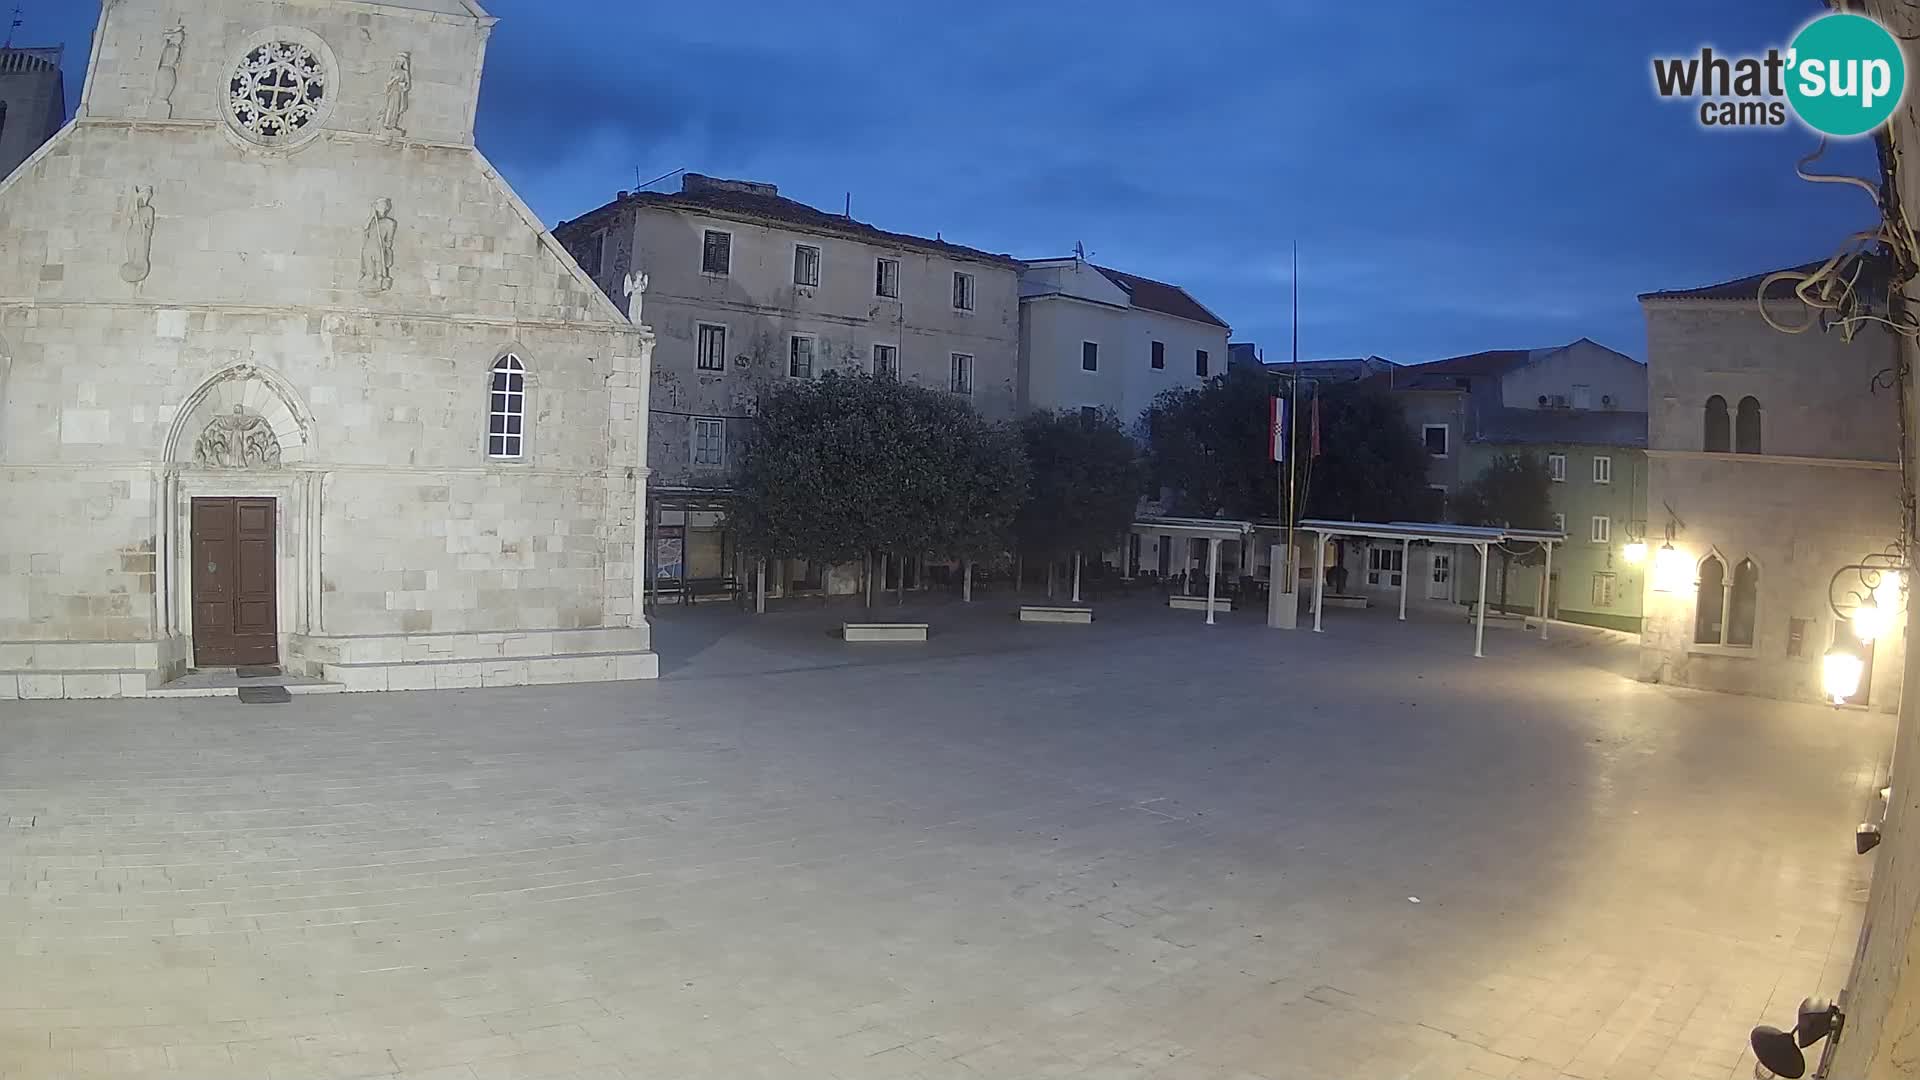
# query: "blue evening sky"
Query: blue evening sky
1459,175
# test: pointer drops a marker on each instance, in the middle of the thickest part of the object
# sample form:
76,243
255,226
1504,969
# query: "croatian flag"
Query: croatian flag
1277,429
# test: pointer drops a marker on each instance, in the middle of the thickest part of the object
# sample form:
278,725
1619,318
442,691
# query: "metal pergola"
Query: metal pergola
1475,536
1213,531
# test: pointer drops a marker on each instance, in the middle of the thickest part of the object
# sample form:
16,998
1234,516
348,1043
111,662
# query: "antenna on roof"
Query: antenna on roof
1080,251
17,20
849,206
655,180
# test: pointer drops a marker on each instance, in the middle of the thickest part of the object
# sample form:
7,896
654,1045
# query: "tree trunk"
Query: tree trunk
869,577
900,585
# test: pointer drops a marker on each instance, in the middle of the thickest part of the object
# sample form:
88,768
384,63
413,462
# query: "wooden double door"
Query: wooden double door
235,608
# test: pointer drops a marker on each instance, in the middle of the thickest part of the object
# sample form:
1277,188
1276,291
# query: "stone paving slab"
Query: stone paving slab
1149,849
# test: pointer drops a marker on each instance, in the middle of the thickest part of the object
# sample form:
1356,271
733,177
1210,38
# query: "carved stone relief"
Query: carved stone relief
376,249
399,89
239,441
167,79
139,237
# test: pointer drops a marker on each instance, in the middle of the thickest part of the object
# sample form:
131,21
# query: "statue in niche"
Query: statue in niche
167,79
240,441
376,250
399,87
139,237
636,292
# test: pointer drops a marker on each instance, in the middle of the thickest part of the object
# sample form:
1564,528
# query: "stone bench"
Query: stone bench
1198,603
1044,613
902,631
1347,600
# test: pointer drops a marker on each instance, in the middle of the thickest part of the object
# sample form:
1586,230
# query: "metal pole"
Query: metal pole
1293,422
1406,568
1213,571
1076,577
760,587
1480,611
1546,594
966,583
1319,575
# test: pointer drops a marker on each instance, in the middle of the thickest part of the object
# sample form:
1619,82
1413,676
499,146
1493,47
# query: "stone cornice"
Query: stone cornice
1778,459
289,311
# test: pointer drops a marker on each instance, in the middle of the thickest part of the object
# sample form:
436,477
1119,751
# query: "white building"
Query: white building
289,375
748,288
1774,464
1091,337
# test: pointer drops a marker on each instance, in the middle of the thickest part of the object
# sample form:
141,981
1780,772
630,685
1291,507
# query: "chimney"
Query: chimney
694,183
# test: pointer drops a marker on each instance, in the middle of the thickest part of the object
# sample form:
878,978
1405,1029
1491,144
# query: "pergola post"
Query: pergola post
1546,592
760,587
966,583
1480,609
1319,576
1213,572
1406,571
1076,577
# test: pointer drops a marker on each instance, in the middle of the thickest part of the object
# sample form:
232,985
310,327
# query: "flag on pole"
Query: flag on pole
1315,440
1277,429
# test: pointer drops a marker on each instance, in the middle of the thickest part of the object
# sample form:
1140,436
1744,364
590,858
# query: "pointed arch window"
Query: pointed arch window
507,409
1718,435
1743,597
1710,603
1746,426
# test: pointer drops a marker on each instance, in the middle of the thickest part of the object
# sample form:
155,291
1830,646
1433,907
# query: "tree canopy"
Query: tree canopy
843,466
1513,491
1085,483
1209,444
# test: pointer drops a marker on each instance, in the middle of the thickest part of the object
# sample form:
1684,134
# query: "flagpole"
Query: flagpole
1293,422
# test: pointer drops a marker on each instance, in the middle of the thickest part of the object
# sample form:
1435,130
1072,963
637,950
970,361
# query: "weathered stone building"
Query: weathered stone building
33,102
748,288
1774,463
289,374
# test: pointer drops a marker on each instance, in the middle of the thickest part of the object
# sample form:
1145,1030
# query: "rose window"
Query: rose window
277,91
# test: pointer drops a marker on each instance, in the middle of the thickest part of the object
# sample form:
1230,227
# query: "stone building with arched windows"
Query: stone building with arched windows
289,376
1773,467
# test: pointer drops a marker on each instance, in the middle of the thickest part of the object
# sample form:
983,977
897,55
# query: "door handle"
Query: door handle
211,568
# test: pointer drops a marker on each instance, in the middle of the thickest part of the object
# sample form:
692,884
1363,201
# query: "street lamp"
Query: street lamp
1671,571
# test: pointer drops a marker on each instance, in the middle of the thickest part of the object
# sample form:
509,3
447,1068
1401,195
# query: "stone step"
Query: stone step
39,684
498,671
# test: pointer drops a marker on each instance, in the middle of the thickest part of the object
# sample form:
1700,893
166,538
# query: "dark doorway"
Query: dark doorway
235,611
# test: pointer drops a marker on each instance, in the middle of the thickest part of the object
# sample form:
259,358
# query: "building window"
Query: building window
1602,530
1746,427
1437,502
1436,439
1159,356
716,253
806,265
1603,470
886,362
1089,413
1725,608
1384,566
507,408
1200,362
592,251
1583,397
713,347
3,118
709,443
1089,356
278,90
962,373
962,291
800,357
1718,435
1560,523
886,278
1557,467
1603,590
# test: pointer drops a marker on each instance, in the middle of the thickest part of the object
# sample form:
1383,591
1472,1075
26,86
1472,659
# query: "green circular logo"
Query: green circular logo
1845,74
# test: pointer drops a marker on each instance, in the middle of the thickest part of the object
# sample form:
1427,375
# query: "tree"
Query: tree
1085,484
1513,491
1209,444
847,466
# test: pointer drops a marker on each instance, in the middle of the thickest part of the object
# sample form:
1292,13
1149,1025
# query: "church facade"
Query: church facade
289,376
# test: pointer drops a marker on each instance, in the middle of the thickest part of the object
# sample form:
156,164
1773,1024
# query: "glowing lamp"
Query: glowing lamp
1887,593
1840,675
1872,621
1636,553
1671,571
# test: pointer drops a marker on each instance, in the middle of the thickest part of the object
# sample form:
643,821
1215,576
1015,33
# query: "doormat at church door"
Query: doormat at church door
264,695
258,671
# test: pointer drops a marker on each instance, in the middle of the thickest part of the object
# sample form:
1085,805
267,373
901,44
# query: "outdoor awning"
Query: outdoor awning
1480,537
1199,528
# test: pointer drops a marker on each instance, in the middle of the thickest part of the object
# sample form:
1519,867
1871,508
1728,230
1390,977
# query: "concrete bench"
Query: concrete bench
1198,603
1347,601
1043,613
901,631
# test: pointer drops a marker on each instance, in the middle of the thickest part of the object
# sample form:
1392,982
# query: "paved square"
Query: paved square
1145,848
